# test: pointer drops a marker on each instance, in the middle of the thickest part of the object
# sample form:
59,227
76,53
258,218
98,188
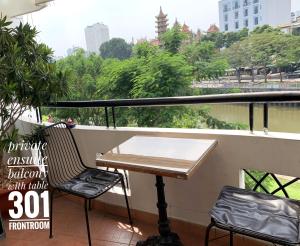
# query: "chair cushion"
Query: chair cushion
258,215
90,183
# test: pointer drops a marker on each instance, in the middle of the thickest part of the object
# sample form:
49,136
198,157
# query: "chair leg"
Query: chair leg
90,205
126,199
211,225
126,178
51,213
231,238
87,220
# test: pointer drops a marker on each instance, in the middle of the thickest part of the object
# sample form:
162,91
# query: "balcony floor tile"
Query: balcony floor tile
106,230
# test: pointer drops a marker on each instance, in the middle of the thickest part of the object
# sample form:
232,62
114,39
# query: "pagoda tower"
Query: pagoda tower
176,23
213,29
161,23
186,28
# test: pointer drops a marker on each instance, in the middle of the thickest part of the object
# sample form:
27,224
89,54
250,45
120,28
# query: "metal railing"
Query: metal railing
259,183
251,99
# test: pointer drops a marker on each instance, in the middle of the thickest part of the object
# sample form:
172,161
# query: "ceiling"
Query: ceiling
13,8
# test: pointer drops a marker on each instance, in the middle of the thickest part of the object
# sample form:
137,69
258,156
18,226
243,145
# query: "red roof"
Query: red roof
213,28
185,28
155,42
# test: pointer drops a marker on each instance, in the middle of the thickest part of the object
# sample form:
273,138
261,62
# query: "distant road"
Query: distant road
270,85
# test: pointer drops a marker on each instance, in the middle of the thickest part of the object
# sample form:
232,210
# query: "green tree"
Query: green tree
163,75
172,39
116,48
266,29
272,48
287,52
264,48
233,37
117,79
159,74
205,59
199,51
238,56
210,70
218,38
144,50
152,71
225,40
29,78
116,82
82,71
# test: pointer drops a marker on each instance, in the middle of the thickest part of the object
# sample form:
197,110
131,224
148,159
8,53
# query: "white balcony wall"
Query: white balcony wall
191,200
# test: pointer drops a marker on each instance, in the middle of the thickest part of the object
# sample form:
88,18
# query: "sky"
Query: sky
61,24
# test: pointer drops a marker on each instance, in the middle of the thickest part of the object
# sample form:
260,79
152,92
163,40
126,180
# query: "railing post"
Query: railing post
106,117
114,116
40,114
266,117
37,115
251,116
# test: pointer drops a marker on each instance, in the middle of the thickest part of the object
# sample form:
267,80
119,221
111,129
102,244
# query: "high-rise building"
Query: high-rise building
96,35
294,26
235,15
295,15
162,22
72,51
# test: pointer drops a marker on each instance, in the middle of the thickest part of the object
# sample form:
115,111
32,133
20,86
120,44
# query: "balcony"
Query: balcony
272,152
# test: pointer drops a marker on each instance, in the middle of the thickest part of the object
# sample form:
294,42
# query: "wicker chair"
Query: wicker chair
67,172
257,215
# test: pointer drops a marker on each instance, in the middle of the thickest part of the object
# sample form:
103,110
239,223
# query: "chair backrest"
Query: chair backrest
63,158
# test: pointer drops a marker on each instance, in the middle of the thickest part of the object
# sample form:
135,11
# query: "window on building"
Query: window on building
236,15
246,12
226,27
246,23
236,5
237,25
225,8
256,21
255,1
226,17
246,2
255,10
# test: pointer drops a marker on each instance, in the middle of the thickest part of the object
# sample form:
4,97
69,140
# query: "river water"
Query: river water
281,118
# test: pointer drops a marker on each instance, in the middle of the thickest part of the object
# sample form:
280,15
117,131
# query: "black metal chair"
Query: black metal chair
67,172
257,215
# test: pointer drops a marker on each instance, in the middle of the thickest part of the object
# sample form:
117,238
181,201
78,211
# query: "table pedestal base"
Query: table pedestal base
170,240
166,237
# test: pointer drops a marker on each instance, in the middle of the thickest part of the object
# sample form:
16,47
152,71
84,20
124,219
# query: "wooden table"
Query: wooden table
163,157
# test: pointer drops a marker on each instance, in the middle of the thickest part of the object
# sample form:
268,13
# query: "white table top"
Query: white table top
163,156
